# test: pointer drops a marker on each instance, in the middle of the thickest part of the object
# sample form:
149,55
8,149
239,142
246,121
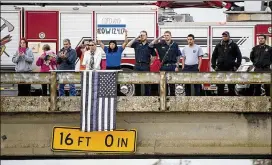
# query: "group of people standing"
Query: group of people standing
226,57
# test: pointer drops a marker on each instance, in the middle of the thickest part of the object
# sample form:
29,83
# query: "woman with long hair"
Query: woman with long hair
23,59
114,53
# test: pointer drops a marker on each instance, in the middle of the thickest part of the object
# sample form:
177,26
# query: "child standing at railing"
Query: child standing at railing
47,62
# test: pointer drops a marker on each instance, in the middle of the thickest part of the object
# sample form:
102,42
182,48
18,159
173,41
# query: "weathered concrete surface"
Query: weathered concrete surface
145,78
25,104
25,78
218,78
123,78
145,104
124,104
219,104
158,133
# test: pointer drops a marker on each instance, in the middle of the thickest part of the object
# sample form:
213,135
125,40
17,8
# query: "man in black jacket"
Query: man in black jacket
261,56
226,57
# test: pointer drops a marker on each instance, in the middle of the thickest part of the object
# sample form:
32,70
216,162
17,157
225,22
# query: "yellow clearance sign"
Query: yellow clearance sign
72,139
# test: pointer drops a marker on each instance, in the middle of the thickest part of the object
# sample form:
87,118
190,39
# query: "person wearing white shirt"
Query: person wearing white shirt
92,57
192,60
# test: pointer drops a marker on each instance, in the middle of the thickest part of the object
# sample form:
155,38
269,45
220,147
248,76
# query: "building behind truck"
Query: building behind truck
51,24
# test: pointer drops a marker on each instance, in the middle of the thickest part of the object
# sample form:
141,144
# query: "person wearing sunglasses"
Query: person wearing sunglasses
92,58
113,53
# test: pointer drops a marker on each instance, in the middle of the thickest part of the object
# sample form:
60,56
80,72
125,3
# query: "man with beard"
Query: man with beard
143,55
226,57
261,56
169,54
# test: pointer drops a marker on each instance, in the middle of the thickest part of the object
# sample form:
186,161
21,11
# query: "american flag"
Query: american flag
98,100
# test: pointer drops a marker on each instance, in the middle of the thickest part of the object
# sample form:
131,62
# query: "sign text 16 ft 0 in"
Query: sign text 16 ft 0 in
72,139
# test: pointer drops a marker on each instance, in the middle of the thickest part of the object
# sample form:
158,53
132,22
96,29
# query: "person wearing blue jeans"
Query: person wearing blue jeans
66,60
72,90
144,56
169,54
192,57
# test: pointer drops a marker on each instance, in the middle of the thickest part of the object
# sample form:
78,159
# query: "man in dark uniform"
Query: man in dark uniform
143,55
169,54
226,57
261,56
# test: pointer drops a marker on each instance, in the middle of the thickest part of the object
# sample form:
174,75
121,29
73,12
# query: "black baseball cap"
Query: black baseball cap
226,33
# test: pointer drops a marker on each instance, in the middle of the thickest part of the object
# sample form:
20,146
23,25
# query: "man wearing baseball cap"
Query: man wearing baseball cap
226,57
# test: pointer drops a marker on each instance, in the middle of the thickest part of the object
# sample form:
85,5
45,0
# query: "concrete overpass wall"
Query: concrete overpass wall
158,133
165,125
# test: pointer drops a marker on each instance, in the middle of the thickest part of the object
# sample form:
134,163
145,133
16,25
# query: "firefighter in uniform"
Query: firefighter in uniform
261,57
226,57
169,54
144,56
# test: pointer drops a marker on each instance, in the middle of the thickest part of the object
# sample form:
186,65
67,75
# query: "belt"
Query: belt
262,67
142,63
169,64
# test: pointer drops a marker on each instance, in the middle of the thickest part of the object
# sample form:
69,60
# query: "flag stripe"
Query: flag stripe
115,103
89,101
112,114
95,102
106,114
100,114
86,101
82,102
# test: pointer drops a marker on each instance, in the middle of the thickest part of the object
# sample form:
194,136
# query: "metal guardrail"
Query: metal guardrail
161,78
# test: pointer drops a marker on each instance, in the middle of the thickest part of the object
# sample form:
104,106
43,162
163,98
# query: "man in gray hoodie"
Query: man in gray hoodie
23,59
66,60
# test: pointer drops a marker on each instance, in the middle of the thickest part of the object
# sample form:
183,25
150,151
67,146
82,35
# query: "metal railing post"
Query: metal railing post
162,91
53,91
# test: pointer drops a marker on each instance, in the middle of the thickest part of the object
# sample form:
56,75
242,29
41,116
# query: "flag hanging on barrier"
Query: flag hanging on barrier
98,100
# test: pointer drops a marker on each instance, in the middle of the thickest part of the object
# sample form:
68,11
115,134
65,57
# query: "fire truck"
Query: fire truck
51,24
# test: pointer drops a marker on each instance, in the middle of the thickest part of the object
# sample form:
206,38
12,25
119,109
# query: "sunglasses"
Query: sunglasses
91,45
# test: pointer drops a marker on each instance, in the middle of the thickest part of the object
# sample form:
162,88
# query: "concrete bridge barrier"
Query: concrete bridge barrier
165,125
